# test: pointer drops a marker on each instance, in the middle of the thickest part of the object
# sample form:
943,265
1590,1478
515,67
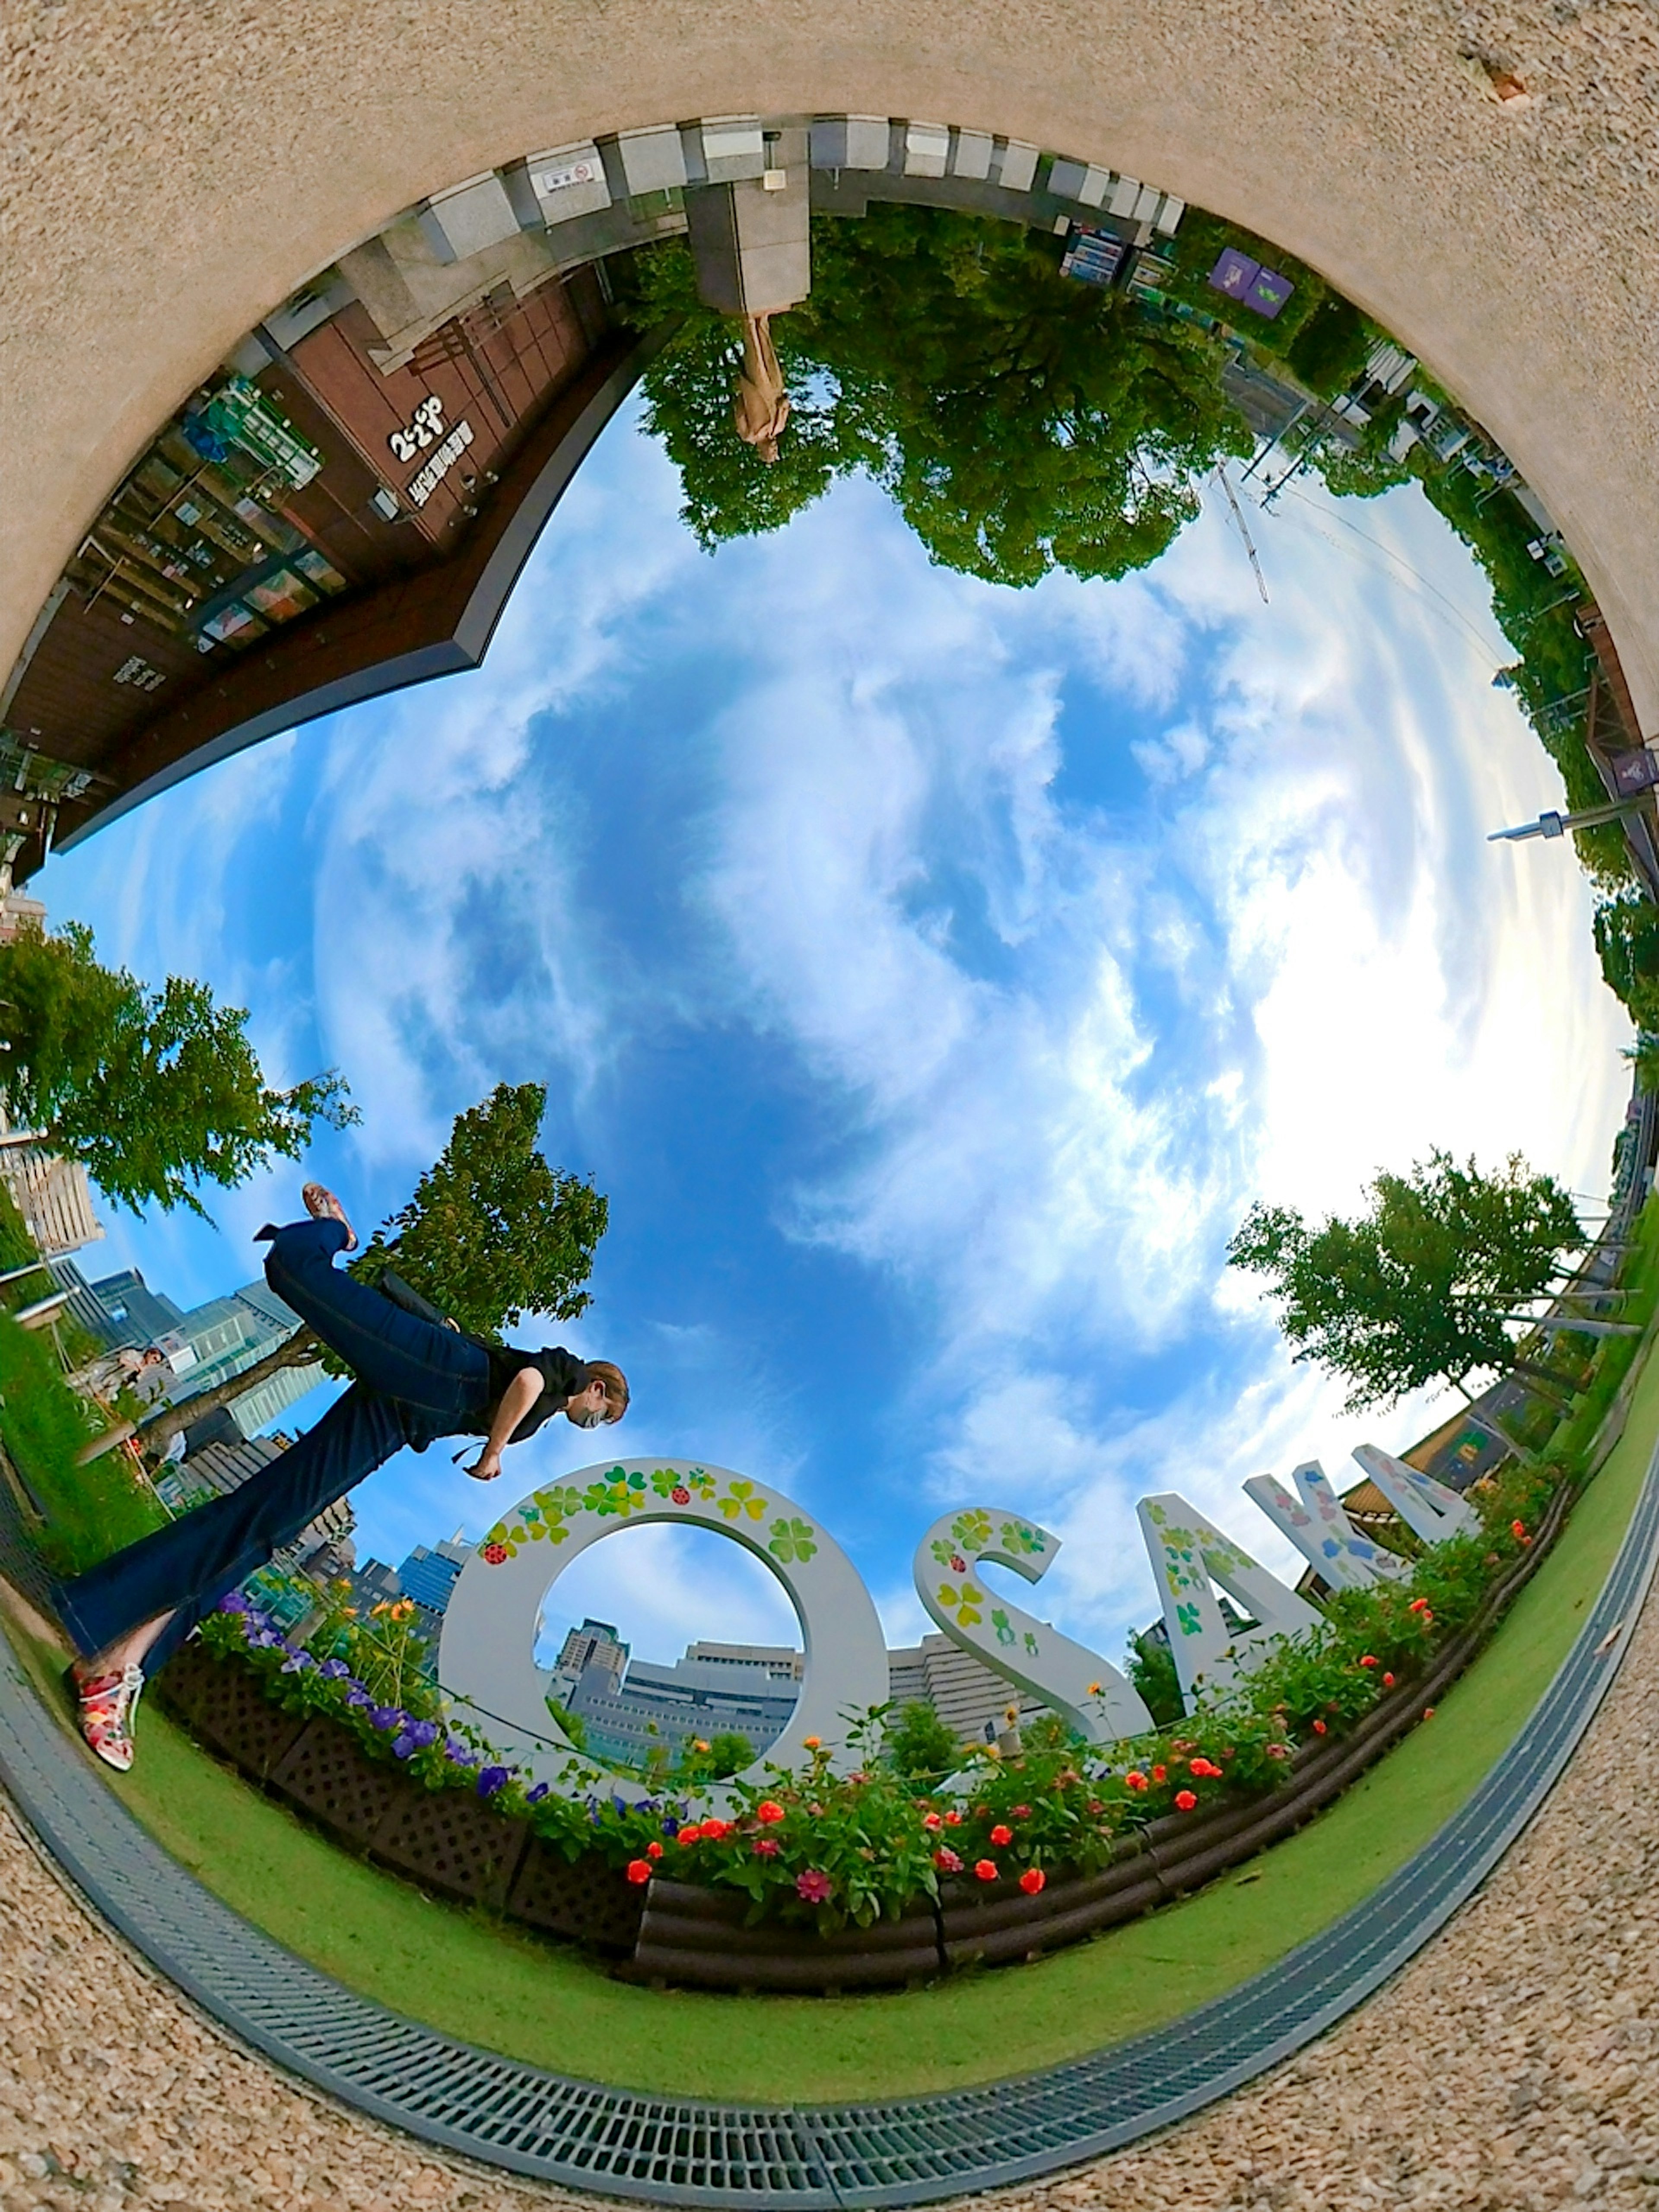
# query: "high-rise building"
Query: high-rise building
628,1715
962,1691
222,1338
429,1576
269,1400
140,1315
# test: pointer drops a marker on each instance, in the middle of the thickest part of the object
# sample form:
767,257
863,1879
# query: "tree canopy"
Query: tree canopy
1021,421
492,1232
154,1092
1426,1286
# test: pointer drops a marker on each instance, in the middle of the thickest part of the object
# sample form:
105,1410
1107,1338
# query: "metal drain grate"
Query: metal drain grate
910,2151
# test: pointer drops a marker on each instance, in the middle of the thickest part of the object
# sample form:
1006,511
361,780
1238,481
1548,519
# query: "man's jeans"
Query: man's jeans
415,1382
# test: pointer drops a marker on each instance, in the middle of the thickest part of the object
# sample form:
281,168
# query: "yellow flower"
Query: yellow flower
1094,1689
697,1744
990,1752
1010,1714
812,1742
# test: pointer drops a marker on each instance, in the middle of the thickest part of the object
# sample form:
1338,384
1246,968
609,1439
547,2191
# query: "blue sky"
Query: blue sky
931,975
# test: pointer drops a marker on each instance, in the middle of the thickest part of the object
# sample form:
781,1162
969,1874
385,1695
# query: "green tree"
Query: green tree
1628,944
154,1092
1427,1286
1151,1670
492,1232
1330,349
920,1746
1021,421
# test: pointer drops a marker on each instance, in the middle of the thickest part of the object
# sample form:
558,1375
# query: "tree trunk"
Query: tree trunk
301,1350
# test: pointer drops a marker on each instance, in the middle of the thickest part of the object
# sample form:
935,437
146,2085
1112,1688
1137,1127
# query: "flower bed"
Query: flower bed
821,1882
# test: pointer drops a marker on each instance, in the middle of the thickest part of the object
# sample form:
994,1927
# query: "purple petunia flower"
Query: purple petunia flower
492,1779
265,1639
388,1716
535,1796
234,1602
671,1827
334,1670
297,1661
357,1695
463,1755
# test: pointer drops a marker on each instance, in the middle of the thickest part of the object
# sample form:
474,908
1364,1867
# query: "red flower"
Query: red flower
1160,1774
1020,1812
815,1887
1517,1528
716,1831
1428,1712
1185,1800
680,1494
768,1810
654,1850
494,1554
1032,1880
932,1822
986,1870
953,1820
1319,1728
766,1847
1002,1834
639,1869
1203,1769
1418,1605
1136,1781
1387,1681
946,1860
690,1834
1368,1661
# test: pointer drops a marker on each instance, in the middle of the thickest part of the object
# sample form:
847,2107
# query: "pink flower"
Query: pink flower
766,1847
815,1887
1032,1880
1020,1812
987,1869
946,1860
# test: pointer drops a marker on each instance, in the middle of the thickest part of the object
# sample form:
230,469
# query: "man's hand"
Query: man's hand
486,1467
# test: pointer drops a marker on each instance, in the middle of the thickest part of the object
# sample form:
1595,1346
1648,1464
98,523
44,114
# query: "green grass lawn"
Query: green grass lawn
503,1988
90,1511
